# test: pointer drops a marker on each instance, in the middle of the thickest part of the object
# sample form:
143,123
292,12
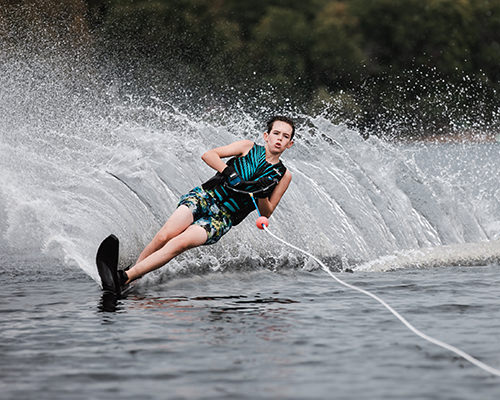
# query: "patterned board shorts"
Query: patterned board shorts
206,213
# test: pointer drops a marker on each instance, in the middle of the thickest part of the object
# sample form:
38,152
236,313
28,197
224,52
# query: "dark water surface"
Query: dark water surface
249,335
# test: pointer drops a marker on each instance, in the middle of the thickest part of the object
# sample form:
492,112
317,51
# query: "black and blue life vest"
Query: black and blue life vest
261,176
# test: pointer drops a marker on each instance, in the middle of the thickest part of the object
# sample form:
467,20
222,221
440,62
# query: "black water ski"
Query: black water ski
107,265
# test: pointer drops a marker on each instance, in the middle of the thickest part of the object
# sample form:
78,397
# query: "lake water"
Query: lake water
247,318
288,334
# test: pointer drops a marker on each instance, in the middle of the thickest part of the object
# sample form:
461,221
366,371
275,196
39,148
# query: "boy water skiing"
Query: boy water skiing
208,211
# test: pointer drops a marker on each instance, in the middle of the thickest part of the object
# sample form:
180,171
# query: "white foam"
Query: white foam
463,254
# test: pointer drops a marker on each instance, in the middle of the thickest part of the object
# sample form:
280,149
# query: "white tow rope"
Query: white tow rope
430,339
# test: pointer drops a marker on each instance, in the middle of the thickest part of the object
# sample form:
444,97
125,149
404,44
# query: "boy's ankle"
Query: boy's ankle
123,277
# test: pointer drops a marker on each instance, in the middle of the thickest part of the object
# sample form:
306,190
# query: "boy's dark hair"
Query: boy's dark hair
282,119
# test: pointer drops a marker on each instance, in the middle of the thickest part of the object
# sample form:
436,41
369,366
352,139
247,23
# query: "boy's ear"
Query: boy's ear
290,144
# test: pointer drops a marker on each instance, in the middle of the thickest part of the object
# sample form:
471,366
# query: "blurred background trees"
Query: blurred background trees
433,61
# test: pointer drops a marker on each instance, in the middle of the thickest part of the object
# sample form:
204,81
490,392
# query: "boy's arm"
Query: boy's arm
213,158
268,205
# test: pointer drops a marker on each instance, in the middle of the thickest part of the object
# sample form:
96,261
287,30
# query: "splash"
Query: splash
463,254
83,155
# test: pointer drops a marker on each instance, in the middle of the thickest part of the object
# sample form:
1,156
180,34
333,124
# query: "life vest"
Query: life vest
251,167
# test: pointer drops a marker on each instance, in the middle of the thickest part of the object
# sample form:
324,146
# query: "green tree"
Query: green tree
279,47
336,52
485,50
405,34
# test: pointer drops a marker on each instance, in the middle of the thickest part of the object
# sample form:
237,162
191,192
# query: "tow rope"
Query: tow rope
263,223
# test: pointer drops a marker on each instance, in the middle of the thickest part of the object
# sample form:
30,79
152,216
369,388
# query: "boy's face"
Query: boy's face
279,138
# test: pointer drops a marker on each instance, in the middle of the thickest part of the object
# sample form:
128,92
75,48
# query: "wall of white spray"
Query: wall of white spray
80,159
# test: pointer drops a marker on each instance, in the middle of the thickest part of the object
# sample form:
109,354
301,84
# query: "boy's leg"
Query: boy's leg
180,219
193,236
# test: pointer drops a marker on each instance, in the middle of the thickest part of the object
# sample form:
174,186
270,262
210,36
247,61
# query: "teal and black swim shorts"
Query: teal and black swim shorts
215,219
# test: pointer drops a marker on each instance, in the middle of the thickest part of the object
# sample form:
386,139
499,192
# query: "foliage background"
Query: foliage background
418,67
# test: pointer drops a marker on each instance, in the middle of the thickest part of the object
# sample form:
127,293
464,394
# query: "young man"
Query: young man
208,212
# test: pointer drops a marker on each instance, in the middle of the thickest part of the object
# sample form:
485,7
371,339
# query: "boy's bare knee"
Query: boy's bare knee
180,244
162,238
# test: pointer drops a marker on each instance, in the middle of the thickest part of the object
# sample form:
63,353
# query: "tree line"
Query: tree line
434,62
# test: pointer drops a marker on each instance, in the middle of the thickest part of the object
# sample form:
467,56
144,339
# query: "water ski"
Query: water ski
107,265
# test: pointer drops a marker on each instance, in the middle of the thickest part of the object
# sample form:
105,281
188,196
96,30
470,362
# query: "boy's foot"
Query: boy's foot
122,279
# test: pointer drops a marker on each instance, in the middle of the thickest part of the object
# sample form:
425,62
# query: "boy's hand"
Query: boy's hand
232,177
